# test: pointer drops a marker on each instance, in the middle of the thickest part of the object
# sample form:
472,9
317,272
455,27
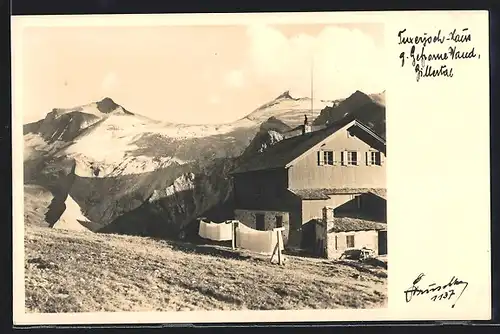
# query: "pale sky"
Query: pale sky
196,74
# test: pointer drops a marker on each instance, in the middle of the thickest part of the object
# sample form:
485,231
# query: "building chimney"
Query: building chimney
306,127
328,214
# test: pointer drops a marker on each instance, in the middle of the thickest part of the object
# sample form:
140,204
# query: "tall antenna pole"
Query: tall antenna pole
312,89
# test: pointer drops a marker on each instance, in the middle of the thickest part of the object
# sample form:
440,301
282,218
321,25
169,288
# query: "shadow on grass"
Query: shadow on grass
376,262
362,267
302,253
216,249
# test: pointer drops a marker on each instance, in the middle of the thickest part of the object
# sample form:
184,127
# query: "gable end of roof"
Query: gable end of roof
288,151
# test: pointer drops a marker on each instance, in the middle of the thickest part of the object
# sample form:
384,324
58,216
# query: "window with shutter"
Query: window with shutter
352,158
326,158
375,158
320,158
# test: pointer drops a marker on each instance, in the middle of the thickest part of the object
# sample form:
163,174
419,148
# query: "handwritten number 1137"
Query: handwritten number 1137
445,295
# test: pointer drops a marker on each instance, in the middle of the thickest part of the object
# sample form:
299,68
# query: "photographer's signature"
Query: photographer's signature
437,292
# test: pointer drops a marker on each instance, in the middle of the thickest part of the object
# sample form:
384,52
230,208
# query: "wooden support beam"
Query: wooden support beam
280,257
277,248
233,234
274,252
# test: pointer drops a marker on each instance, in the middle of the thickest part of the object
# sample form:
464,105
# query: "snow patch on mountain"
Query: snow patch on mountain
184,131
272,138
289,110
128,165
71,217
110,145
35,145
182,183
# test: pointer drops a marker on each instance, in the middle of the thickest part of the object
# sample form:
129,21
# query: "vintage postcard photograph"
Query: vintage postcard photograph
234,167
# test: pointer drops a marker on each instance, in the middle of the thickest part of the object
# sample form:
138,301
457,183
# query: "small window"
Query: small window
350,241
326,158
375,158
279,221
352,158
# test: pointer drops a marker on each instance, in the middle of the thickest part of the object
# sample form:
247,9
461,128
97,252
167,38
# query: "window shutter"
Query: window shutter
382,160
358,158
368,158
320,158
350,241
334,154
343,158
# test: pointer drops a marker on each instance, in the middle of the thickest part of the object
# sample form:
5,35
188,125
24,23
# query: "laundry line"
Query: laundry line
242,236
216,231
258,241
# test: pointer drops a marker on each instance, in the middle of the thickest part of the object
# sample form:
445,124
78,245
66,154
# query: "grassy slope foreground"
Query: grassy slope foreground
69,271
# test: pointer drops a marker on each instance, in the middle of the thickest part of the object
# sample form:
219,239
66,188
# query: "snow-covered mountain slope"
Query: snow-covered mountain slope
289,110
112,141
106,140
111,170
72,217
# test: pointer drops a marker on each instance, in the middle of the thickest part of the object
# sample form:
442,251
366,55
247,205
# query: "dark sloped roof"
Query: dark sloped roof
347,224
323,193
285,151
311,193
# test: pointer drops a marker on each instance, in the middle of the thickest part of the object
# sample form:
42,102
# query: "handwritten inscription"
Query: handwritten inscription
453,46
437,292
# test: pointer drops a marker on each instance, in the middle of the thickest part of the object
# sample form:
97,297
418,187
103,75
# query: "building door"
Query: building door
382,242
308,236
260,222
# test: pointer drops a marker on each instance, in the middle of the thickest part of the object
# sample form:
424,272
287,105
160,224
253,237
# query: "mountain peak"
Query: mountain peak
285,95
107,105
107,99
358,93
358,97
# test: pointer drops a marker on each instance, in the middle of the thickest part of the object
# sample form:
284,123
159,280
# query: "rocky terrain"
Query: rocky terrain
103,168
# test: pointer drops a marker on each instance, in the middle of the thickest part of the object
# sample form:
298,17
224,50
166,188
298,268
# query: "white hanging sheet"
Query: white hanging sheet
216,231
256,241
